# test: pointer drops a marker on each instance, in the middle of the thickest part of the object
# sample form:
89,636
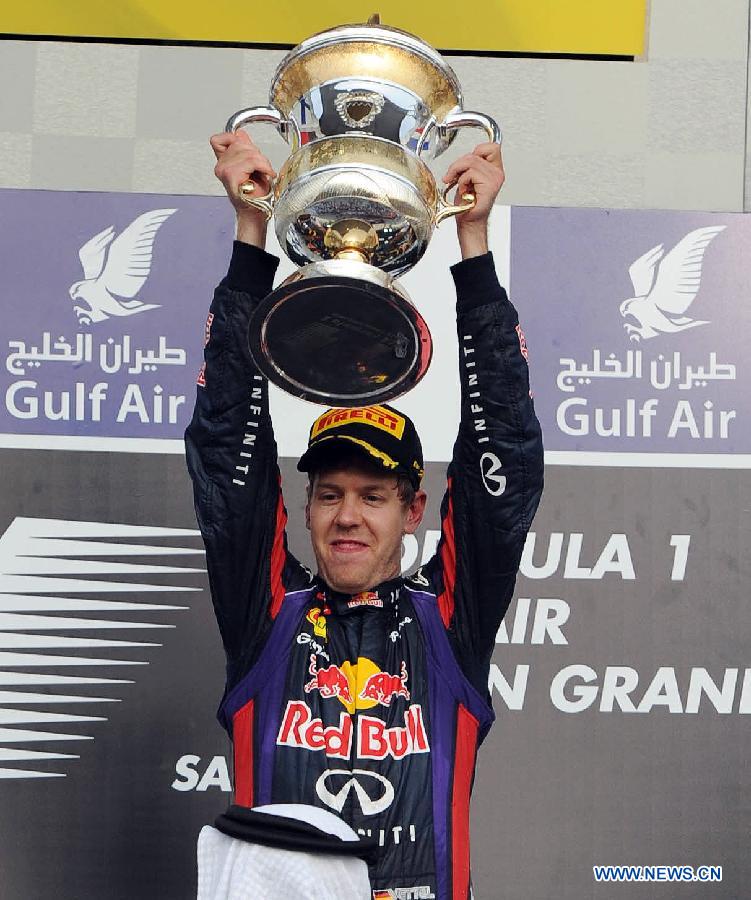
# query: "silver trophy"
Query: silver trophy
354,205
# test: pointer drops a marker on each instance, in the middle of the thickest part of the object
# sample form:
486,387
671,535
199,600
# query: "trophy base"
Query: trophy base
340,340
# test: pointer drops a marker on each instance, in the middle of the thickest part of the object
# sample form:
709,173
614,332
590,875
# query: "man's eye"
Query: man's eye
374,498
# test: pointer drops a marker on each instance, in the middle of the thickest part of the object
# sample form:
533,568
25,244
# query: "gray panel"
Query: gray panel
64,162
163,165
682,29
597,109
602,180
86,89
679,89
187,93
15,160
708,181
17,66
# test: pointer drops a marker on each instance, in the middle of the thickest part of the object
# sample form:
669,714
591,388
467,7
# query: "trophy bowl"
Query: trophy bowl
354,211
329,189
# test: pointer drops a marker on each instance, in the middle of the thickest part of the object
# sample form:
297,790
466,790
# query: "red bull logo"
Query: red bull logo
357,686
365,598
383,687
329,682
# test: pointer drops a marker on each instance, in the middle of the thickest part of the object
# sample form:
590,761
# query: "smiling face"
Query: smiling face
356,520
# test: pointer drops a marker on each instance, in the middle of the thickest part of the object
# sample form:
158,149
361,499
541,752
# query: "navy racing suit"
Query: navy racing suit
371,706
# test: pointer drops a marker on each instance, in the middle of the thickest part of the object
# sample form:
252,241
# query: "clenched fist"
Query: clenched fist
239,160
480,173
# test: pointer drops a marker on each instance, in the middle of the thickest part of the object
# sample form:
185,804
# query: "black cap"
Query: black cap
386,435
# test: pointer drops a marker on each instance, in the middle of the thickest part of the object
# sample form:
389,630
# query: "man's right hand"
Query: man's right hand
238,161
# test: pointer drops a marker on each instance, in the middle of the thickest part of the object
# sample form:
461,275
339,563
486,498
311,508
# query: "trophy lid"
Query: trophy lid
366,50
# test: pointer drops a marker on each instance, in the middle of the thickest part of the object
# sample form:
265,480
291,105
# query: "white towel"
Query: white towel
232,869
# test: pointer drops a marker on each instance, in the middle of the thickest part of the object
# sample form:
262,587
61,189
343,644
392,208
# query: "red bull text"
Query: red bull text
375,740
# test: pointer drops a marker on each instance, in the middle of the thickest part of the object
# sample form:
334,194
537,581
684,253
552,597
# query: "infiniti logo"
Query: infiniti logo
495,483
331,779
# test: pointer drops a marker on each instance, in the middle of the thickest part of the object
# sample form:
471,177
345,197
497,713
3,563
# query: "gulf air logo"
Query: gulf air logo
115,269
361,685
665,285
377,416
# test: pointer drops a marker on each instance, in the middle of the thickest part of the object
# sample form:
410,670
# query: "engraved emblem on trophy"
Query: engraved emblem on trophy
354,206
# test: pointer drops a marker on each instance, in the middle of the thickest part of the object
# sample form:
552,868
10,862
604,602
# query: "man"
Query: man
358,690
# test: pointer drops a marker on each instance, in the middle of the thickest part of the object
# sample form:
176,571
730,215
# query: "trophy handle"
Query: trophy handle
446,210
468,119
286,127
455,121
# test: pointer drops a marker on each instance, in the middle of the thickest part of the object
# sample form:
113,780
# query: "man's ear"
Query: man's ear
307,516
415,512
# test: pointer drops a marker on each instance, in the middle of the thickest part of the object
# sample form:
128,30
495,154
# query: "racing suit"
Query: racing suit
372,706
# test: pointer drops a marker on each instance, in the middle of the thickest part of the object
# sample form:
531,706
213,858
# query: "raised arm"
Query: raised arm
496,473
230,447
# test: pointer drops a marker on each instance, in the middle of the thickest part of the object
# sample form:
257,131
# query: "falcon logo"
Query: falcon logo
372,792
117,267
665,286
490,467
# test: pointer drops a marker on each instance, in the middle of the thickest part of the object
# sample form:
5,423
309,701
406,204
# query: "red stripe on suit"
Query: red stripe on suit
242,740
448,563
278,553
464,768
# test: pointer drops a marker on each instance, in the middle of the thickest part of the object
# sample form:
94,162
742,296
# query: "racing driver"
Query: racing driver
359,690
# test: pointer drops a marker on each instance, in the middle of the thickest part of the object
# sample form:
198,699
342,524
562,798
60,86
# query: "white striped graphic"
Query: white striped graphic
45,567
7,755
29,678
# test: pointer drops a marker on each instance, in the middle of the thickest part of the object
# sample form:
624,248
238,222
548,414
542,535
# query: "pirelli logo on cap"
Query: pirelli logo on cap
377,416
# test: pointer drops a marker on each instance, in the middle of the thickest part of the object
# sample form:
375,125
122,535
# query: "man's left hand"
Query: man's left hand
480,173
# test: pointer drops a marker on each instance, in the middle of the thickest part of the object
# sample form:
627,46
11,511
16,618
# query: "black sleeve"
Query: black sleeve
495,476
232,460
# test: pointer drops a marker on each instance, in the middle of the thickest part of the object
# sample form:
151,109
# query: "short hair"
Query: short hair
344,457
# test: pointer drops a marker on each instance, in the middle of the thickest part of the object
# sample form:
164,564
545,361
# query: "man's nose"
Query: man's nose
348,513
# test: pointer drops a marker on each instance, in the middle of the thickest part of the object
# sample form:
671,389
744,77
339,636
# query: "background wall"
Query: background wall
668,131
665,132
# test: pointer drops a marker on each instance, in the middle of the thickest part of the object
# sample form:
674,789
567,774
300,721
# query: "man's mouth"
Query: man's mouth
348,546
